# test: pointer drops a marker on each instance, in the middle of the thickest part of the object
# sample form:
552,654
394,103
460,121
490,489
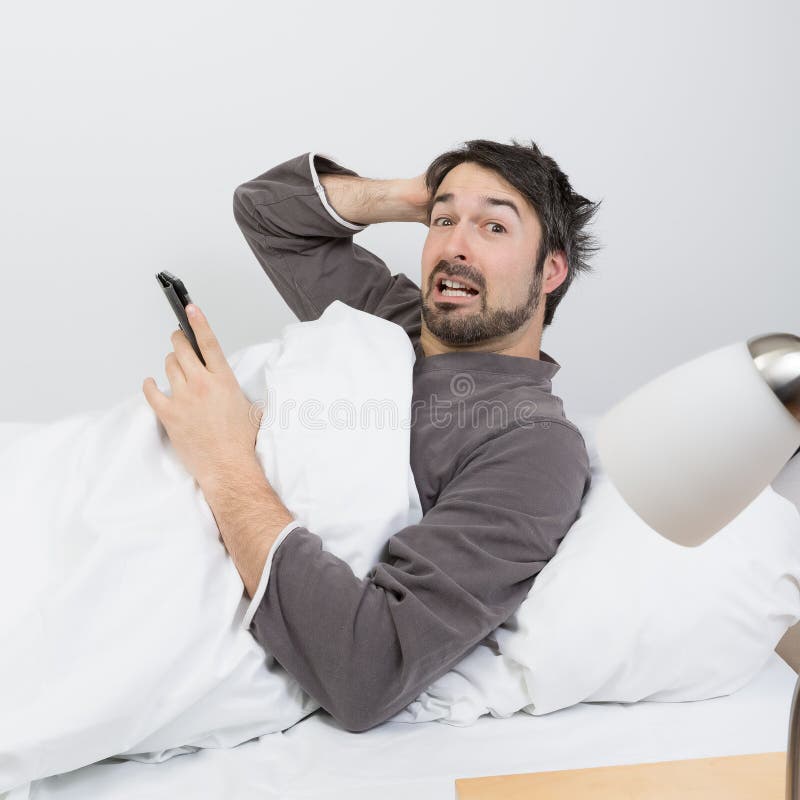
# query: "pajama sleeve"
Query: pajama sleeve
365,648
307,250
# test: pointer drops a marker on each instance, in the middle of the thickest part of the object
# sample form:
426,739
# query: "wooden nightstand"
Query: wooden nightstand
761,776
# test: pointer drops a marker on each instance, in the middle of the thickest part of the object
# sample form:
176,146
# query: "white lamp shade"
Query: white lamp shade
694,447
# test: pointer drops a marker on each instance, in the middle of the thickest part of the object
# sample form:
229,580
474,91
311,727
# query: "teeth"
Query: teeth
453,284
455,293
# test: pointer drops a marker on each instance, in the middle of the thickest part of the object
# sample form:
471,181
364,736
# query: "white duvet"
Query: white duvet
120,609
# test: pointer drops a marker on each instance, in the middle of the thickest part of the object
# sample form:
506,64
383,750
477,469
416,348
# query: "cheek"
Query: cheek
507,283
428,261
427,246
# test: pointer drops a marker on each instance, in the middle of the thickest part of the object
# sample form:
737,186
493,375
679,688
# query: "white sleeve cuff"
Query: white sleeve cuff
262,584
322,196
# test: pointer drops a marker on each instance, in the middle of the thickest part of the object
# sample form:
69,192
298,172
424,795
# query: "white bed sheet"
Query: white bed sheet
318,759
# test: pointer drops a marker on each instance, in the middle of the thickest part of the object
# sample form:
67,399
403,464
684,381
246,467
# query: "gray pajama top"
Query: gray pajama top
500,471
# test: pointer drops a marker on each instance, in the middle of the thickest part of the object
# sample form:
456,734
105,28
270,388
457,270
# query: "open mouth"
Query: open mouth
449,290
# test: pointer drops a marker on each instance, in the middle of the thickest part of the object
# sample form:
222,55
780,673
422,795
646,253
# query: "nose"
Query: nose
457,246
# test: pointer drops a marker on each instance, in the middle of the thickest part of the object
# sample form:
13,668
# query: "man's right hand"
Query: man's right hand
418,196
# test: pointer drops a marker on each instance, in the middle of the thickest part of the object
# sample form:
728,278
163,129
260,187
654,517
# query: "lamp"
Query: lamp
694,447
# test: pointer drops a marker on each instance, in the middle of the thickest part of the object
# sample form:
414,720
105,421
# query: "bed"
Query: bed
316,758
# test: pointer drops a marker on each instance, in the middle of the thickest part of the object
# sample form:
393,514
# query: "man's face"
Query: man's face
490,248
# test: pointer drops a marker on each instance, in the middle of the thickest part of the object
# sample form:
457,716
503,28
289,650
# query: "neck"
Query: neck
524,345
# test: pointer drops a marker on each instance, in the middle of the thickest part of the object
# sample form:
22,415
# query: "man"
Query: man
500,471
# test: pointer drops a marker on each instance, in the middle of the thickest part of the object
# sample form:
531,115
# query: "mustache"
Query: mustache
455,271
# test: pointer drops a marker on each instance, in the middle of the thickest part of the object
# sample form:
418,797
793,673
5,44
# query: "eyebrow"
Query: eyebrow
485,201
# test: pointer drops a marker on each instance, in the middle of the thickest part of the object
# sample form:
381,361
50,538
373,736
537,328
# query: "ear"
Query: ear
555,270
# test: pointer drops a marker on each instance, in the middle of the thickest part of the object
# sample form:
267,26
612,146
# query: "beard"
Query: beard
453,326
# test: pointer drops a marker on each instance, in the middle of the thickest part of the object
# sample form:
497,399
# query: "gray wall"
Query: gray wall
125,130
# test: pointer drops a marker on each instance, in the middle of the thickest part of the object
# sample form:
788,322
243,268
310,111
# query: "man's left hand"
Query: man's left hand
210,422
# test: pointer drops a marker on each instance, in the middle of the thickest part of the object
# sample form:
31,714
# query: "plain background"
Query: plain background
126,128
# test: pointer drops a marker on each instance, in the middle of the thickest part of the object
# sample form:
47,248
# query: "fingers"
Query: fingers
174,369
209,346
157,400
186,358
183,363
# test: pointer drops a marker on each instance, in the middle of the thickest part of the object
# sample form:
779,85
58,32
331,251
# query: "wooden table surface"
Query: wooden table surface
761,776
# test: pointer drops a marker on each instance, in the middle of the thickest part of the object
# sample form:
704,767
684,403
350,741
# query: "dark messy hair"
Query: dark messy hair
562,213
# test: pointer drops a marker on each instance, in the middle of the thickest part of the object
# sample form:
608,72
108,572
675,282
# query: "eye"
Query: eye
497,224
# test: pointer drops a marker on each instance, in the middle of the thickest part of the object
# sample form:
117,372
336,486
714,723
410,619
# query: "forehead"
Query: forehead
469,184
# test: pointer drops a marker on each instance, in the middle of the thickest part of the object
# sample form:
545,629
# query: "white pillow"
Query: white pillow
622,614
